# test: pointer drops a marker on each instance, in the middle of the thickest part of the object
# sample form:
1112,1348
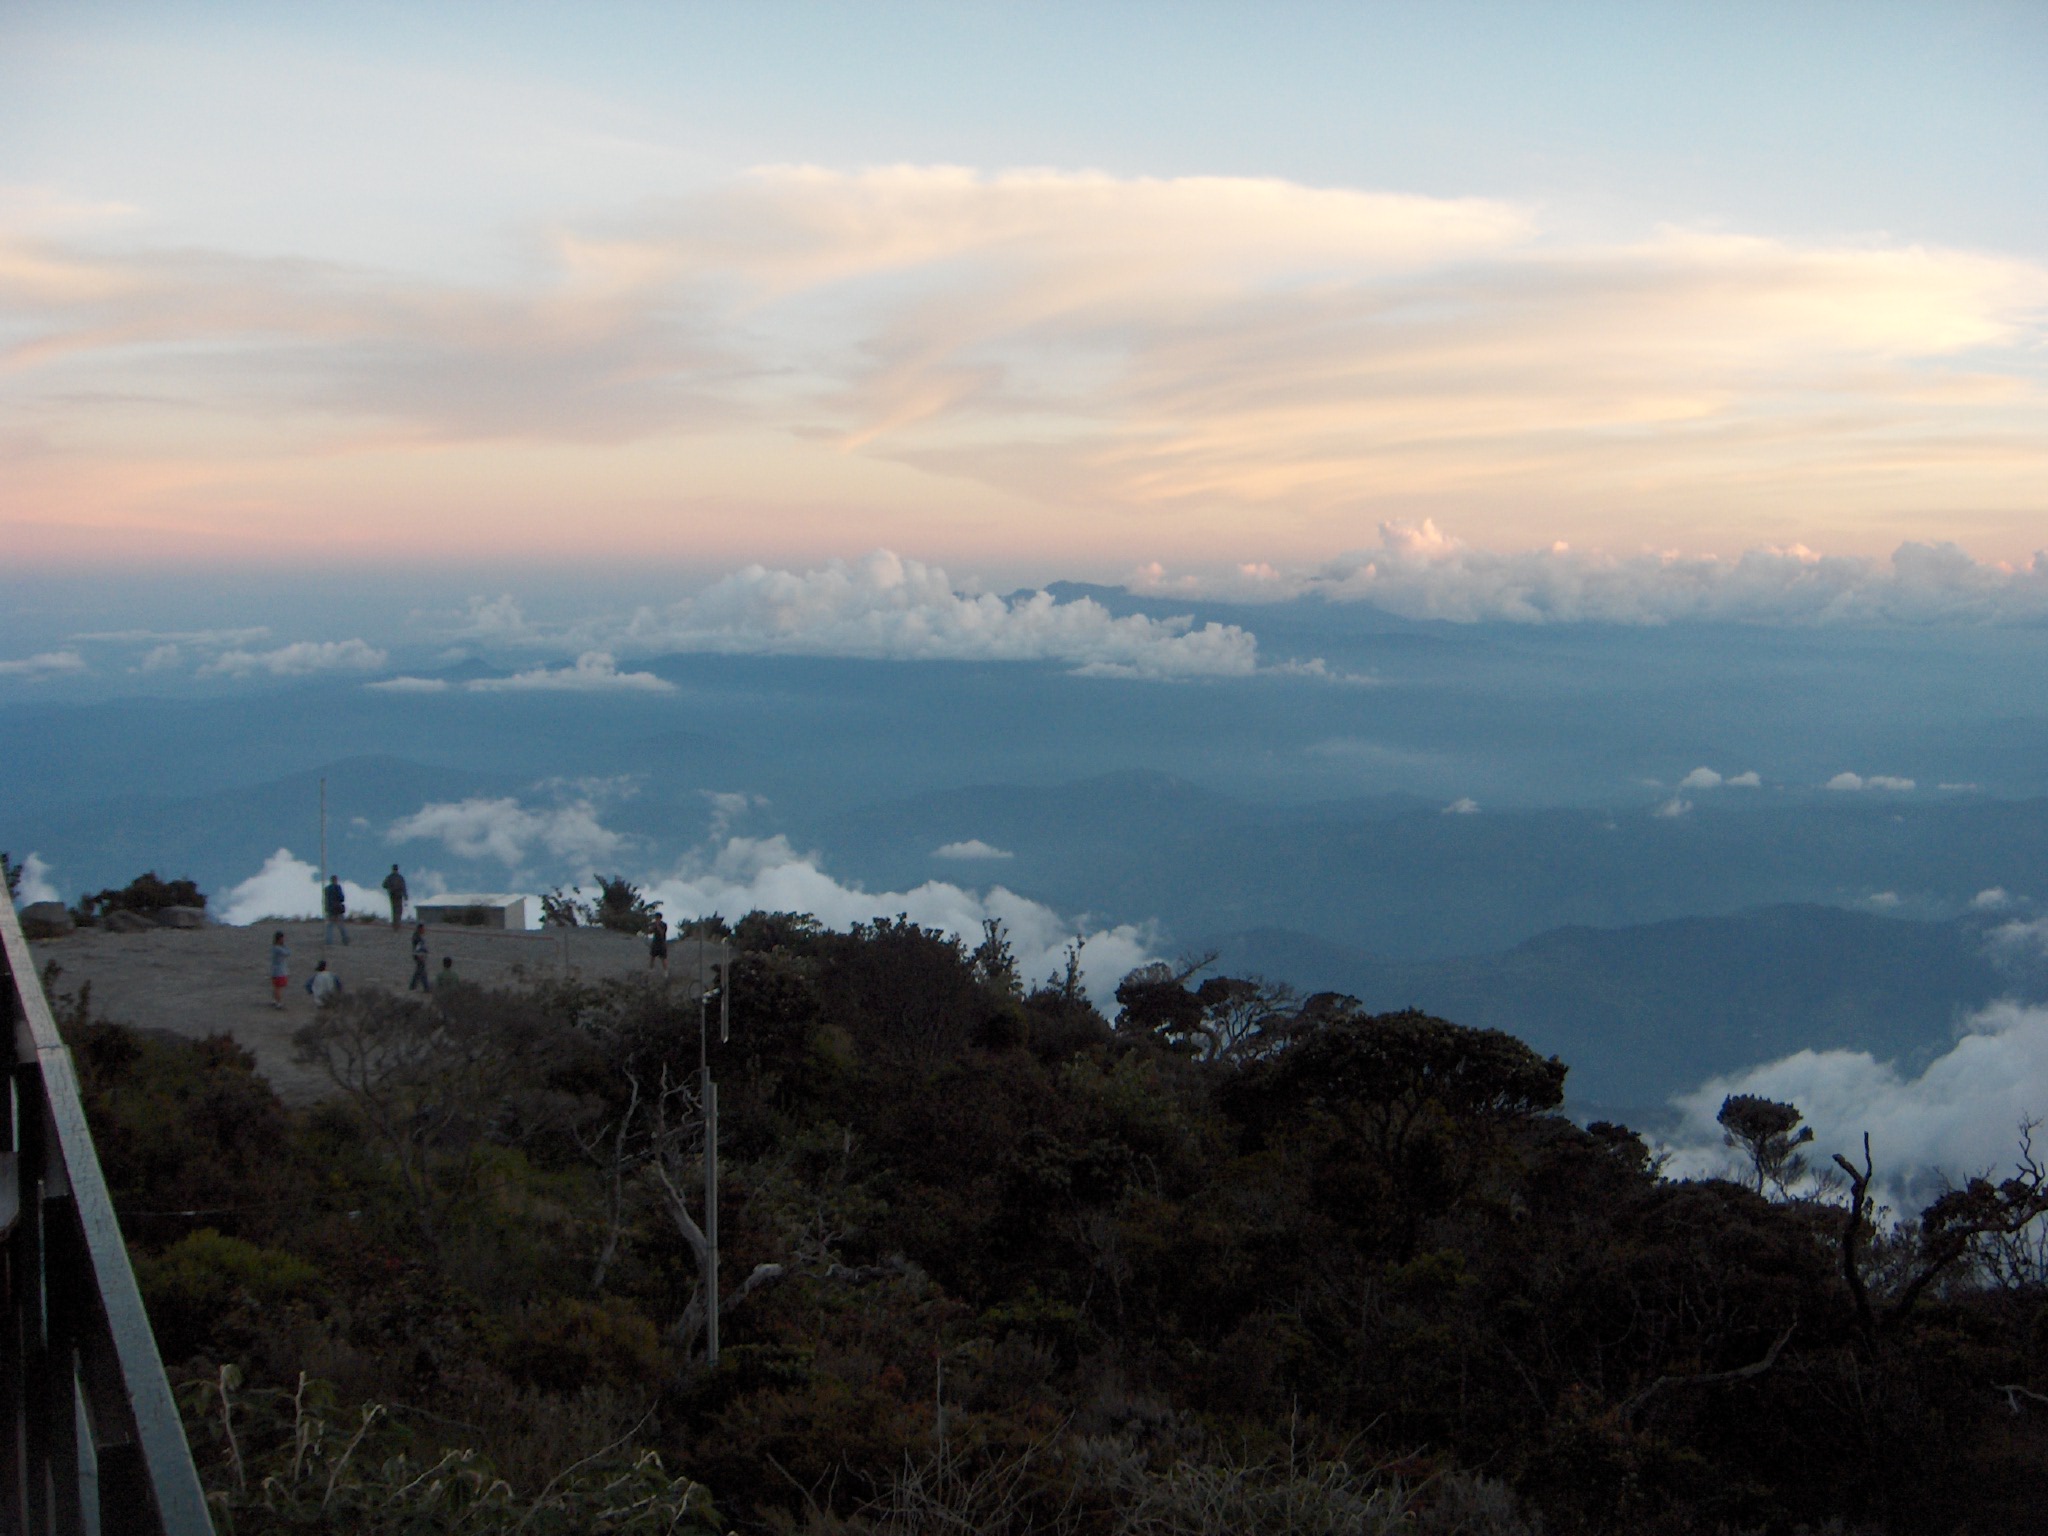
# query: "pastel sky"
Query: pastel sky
1035,291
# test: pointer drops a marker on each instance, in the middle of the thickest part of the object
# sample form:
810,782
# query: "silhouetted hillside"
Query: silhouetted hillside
1644,1012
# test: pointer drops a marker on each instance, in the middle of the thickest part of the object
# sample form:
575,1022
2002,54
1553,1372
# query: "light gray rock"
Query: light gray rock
45,919
127,922
182,917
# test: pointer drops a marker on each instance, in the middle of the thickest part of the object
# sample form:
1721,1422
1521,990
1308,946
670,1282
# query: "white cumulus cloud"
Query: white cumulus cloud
36,884
2018,939
1991,898
887,607
767,874
299,659
1464,805
288,887
1855,781
410,685
1956,1119
972,848
505,830
594,672
44,664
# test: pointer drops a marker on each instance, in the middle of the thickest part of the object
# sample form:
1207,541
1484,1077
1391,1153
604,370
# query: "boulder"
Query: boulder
126,922
46,919
182,917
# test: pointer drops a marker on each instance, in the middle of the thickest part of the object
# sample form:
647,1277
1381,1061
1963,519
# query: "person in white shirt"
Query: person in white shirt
323,983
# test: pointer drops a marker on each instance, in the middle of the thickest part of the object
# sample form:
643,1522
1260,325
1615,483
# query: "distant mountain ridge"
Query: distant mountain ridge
1646,1011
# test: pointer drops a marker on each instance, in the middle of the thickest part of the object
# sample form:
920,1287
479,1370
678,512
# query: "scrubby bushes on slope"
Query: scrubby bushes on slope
992,1260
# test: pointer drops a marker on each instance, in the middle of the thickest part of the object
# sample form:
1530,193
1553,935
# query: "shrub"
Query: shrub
296,1461
145,893
206,1286
564,1345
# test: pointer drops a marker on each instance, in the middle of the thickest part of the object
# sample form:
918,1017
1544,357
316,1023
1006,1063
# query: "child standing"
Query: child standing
280,968
420,980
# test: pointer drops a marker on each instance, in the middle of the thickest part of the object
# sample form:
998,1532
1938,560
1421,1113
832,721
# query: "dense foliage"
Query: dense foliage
146,893
1232,1262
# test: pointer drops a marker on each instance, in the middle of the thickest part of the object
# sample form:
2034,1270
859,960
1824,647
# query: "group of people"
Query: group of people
334,904
324,984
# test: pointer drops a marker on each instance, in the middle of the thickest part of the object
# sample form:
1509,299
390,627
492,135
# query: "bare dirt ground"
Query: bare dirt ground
216,980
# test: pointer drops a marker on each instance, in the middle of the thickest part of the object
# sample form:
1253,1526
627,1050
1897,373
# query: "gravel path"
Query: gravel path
216,980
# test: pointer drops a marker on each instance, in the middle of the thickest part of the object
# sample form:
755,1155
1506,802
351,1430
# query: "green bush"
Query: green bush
206,1289
145,893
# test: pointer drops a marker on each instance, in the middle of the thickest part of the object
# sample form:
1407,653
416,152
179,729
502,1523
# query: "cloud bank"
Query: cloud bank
288,887
1957,1118
734,875
1420,572
44,664
302,658
746,874
593,672
887,607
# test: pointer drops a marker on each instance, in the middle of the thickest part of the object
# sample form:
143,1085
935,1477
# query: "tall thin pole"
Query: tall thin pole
323,830
710,1100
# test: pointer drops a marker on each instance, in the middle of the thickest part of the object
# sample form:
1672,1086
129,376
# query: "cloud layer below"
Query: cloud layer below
1958,1118
287,886
731,875
885,606
1421,572
767,874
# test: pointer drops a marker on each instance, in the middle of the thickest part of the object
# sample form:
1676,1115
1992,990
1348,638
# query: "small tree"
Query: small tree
621,907
1770,1136
564,909
995,965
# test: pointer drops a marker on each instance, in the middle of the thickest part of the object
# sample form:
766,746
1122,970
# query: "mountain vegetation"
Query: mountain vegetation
1231,1260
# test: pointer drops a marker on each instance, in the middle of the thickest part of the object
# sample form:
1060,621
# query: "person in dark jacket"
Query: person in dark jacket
334,901
394,887
421,981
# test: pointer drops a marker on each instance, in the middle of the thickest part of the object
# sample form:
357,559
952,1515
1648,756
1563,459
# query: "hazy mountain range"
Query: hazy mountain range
1661,851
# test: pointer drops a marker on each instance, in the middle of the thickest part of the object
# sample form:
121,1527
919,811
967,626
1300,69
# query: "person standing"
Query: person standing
280,968
334,901
421,981
657,945
394,887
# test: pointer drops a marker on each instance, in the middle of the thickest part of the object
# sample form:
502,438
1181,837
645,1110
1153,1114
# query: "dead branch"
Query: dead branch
1710,1378
2014,1392
1852,1236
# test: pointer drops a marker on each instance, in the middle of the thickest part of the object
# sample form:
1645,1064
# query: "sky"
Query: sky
1133,293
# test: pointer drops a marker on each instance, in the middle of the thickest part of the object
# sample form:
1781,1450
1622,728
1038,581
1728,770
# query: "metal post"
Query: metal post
711,1214
324,870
